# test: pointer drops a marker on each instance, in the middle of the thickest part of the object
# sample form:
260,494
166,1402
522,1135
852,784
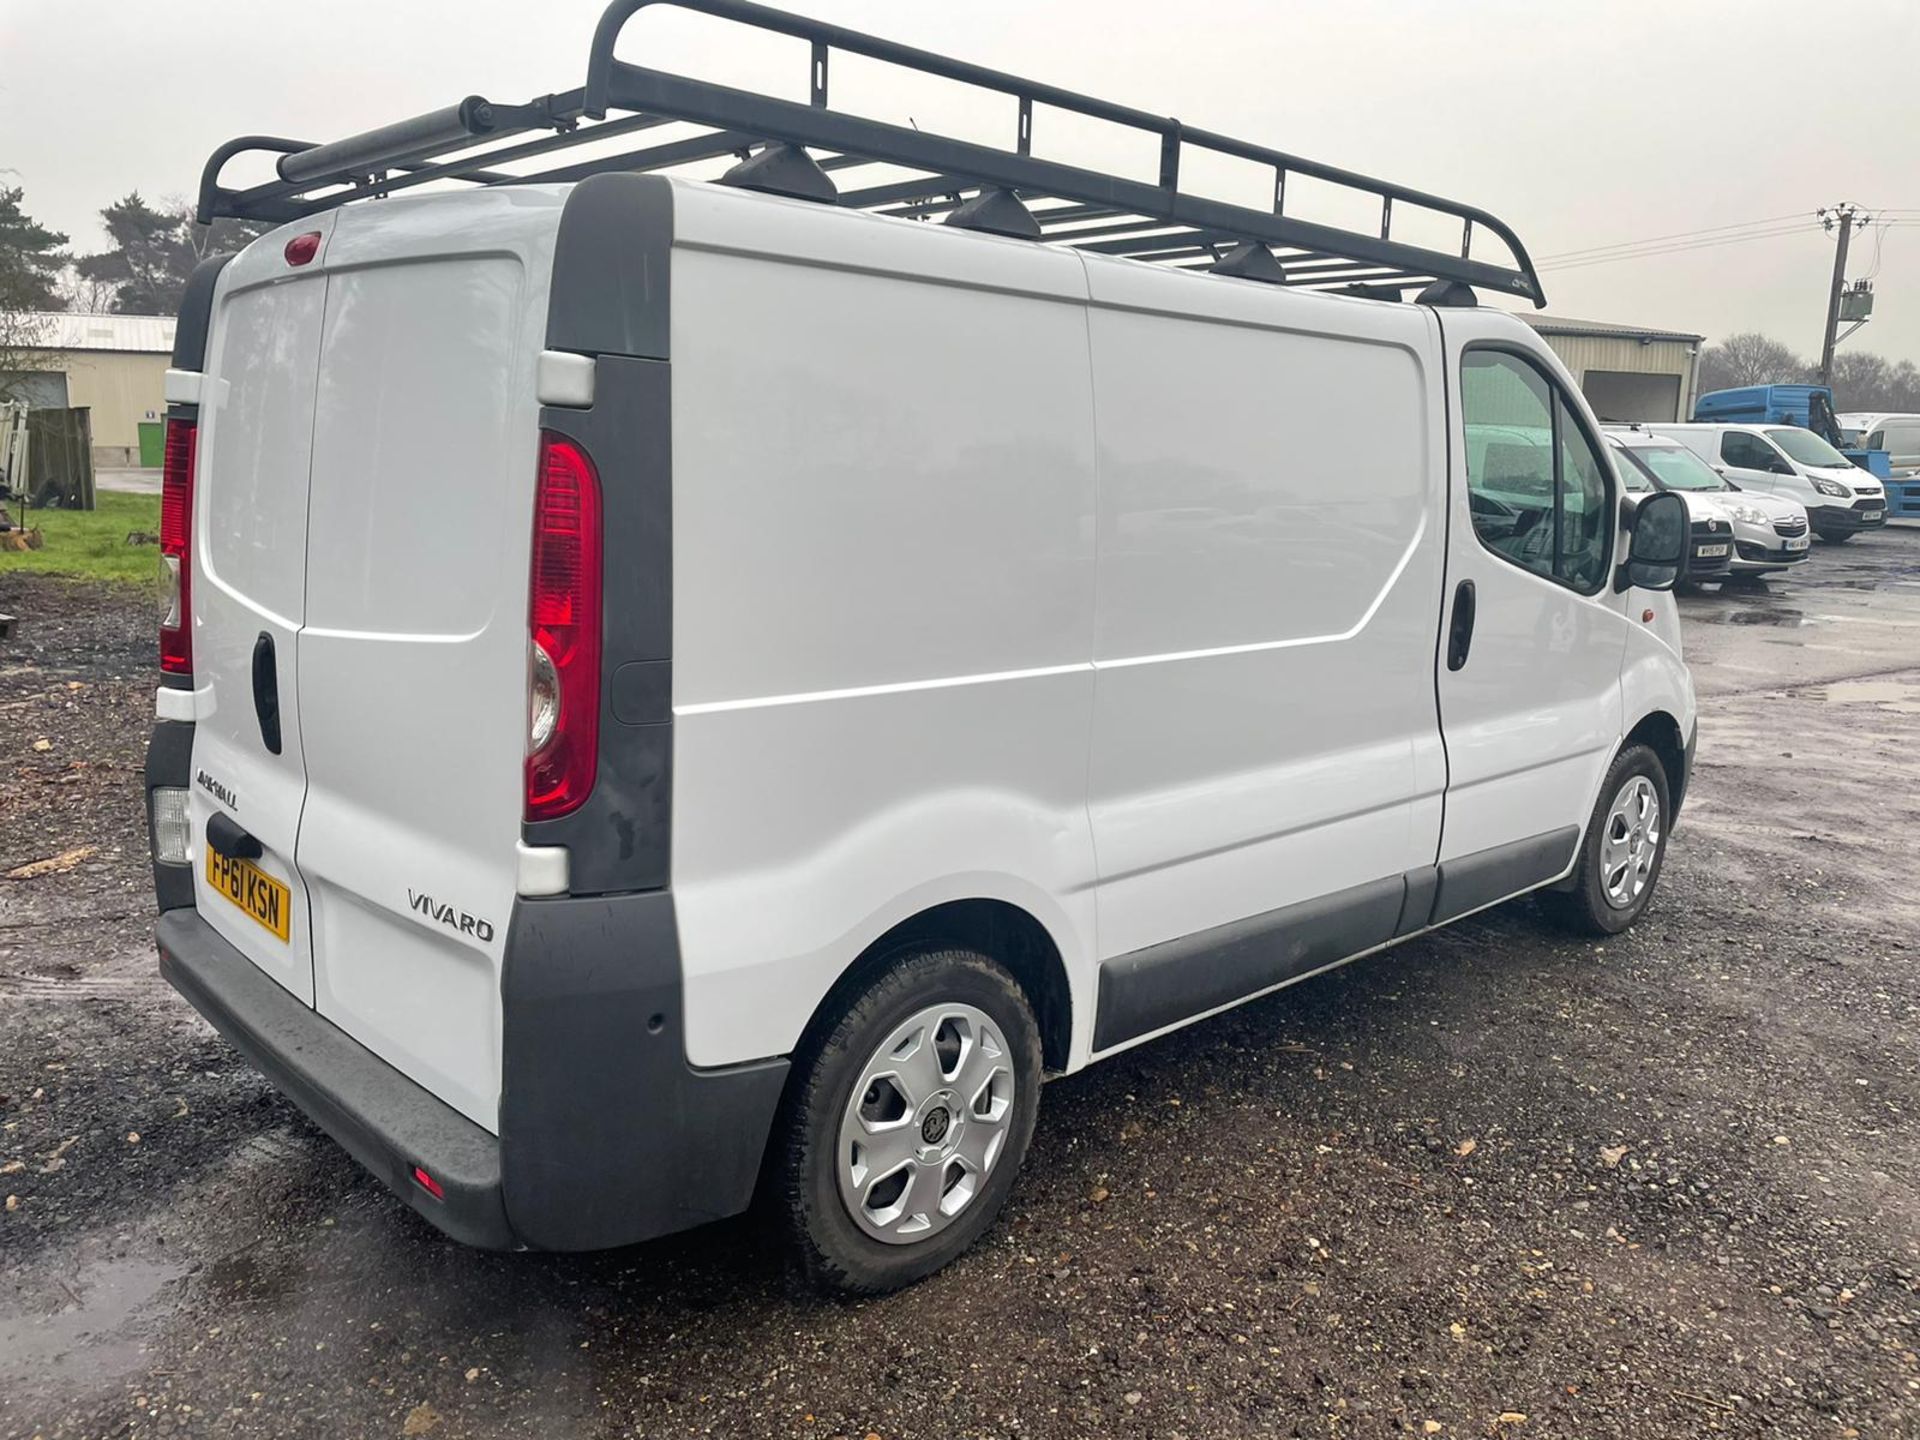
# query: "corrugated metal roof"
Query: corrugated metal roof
1565,325
138,334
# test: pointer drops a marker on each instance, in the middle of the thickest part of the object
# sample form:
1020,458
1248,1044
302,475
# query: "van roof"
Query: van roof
896,170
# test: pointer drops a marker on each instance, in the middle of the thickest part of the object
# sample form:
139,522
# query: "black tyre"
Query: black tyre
905,1122
1624,848
1835,537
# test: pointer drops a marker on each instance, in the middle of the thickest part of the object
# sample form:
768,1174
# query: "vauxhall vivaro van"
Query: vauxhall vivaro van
680,691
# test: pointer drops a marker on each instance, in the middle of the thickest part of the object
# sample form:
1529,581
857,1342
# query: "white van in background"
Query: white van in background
1840,499
1898,435
770,681
1768,532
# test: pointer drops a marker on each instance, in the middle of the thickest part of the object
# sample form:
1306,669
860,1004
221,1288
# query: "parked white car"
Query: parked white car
1769,532
678,688
1840,498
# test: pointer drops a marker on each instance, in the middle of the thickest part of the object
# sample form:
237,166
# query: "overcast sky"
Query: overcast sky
1580,124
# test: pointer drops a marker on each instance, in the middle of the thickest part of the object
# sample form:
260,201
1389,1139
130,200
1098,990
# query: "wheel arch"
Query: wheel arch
1660,732
998,929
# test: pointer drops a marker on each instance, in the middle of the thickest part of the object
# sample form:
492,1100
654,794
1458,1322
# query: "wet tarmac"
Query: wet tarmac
1665,1186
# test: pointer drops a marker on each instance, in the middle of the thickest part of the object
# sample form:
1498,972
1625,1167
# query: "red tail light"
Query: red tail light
176,546
563,617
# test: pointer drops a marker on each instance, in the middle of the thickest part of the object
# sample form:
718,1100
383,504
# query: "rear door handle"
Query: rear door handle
266,692
1460,632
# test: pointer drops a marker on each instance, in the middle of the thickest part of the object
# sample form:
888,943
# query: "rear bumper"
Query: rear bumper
379,1116
607,1136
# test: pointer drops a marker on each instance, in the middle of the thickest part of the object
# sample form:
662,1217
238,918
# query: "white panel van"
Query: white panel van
1898,435
1840,499
678,691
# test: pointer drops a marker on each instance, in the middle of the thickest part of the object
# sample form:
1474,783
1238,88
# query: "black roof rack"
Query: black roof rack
1087,208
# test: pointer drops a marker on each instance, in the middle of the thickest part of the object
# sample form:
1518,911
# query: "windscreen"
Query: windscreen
1677,468
1633,475
1807,447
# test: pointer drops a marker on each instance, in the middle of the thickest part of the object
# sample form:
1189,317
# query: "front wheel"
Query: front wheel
905,1123
1625,844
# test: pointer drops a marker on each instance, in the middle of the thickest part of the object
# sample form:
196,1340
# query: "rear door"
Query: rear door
248,601
1534,635
414,651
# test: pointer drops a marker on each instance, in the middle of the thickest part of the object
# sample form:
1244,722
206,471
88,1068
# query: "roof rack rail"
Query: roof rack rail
1090,209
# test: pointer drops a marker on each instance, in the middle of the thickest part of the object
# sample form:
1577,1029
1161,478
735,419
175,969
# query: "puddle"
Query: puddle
90,1333
1900,695
1784,617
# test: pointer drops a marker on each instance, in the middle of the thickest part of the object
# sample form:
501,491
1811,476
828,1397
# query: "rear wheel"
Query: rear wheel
1625,845
906,1122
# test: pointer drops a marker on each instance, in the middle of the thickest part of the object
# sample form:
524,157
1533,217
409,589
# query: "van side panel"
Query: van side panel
1270,568
413,659
883,596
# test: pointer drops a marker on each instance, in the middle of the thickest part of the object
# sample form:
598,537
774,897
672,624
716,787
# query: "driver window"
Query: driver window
1536,488
1745,452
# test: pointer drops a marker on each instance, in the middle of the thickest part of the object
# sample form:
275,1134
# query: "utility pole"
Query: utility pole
1844,215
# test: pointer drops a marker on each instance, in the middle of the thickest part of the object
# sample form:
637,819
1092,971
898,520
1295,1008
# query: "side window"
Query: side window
1535,486
1744,451
1586,529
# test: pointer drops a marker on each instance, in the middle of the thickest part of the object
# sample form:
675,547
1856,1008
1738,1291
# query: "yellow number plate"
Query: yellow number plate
264,898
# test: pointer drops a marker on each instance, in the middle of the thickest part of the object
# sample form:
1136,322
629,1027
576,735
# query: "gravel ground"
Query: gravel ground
1496,1182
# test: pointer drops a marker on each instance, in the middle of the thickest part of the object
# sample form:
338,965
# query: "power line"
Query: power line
1680,248
1677,235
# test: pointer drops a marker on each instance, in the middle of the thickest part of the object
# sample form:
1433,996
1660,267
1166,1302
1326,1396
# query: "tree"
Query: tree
149,262
30,258
1865,381
30,262
86,297
154,251
1750,358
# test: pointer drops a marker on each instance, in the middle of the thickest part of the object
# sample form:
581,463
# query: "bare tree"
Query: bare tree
1865,381
1750,358
86,296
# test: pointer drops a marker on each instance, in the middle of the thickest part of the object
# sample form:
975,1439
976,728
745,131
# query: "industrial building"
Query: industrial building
1627,372
115,366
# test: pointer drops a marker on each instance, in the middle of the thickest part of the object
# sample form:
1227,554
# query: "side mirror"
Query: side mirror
1657,547
1779,467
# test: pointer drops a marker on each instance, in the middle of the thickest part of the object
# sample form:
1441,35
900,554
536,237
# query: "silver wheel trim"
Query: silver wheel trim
1630,842
926,1123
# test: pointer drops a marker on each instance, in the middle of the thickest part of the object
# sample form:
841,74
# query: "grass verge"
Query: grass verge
92,544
